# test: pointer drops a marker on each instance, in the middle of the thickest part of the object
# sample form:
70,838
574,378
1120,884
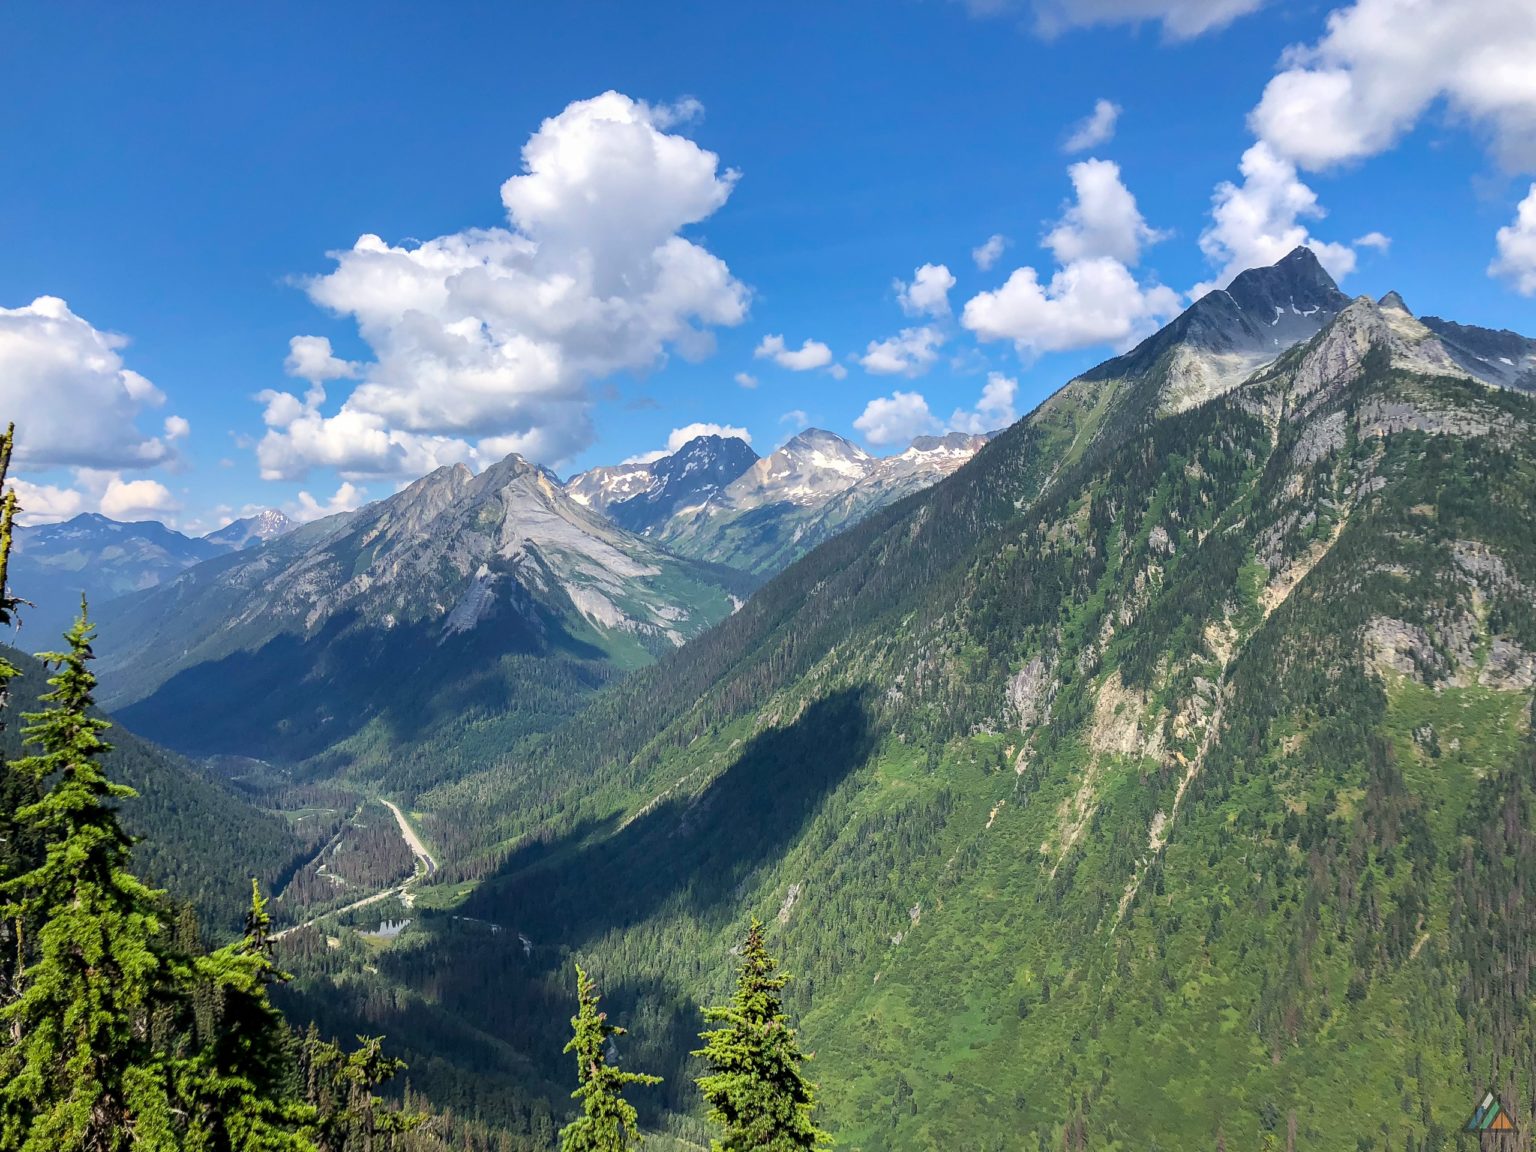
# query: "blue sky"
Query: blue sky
179,175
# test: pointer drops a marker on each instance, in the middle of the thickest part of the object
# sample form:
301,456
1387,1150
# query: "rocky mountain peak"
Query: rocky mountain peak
701,466
508,470
964,442
1298,283
820,440
1229,333
1337,355
706,448
811,466
641,495
268,524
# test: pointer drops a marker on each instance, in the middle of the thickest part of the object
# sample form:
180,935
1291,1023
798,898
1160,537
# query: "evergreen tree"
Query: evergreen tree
8,509
78,1069
17,790
608,1122
341,1085
754,1088
239,1079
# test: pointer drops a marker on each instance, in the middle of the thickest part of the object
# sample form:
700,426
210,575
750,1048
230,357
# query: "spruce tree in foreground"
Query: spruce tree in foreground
17,790
754,1088
77,1066
8,510
340,1086
608,1122
240,1077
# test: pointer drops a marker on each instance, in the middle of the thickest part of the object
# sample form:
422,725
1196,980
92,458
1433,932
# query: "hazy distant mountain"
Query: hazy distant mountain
1495,356
814,486
643,497
242,533
54,563
287,648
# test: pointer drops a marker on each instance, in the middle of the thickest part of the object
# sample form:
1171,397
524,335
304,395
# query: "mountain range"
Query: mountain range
100,558
644,496
497,592
1158,772
1162,777
805,492
715,499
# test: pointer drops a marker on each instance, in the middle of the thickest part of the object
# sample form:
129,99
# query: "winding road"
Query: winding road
426,864
412,841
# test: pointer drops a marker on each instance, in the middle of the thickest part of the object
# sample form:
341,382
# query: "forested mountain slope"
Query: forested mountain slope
200,838
458,596
1164,778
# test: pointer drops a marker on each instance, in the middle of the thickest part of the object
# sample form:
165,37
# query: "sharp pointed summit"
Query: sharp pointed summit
642,495
1227,334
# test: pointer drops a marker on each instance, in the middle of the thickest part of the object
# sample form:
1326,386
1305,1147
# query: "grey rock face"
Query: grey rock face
1495,356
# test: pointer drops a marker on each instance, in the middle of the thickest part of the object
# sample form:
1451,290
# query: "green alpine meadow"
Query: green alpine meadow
711,579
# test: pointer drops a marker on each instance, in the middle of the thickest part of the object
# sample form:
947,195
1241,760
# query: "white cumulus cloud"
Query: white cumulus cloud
1090,302
137,500
485,341
746,379
310,358
347,498
101,490
811,354
74,401
993,410
1377,240
1383,63
987,254
1092,297
896,418
1104,219
928,293
1257,222
1516,261
911,352
1098,127
46,503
